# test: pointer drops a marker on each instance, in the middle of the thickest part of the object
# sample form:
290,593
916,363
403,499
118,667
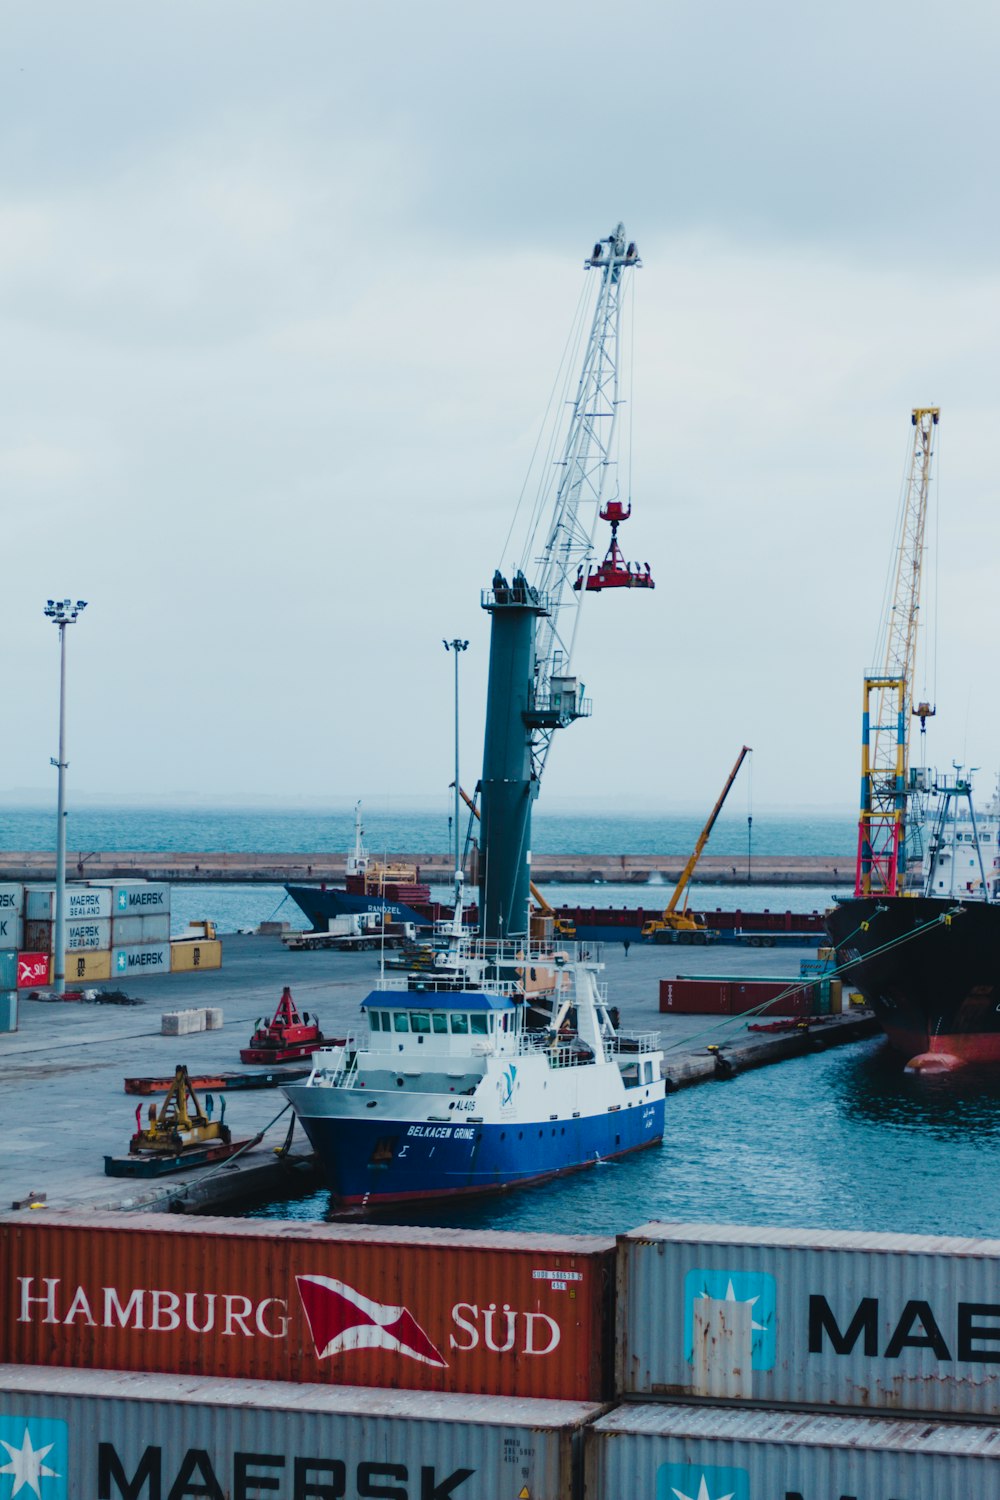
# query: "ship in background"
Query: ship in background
928,961
920,938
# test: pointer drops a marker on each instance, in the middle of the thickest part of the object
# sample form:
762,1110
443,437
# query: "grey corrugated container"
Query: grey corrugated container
8,1011
12,899
659,1452
82,933
144,958
136,898
81,901
11,930
250,1438
811,1318
152,929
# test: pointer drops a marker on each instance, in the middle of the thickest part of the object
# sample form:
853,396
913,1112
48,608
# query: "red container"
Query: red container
429,1309
32,970
694,997
719,997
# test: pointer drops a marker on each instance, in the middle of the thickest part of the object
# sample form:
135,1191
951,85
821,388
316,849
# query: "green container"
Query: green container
8,969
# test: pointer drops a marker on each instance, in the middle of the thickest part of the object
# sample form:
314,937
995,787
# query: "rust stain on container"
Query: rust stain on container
439,1310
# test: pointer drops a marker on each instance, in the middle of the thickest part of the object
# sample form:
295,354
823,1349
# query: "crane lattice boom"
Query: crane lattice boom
885,739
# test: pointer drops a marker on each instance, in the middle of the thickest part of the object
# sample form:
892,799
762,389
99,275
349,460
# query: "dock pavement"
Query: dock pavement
62,1073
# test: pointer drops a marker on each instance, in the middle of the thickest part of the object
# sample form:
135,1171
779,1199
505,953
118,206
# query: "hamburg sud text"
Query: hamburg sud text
384,1314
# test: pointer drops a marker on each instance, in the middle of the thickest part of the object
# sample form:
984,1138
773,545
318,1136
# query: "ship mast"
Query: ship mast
885,735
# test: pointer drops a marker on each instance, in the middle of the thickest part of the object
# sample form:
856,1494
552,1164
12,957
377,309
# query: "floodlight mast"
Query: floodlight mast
62,612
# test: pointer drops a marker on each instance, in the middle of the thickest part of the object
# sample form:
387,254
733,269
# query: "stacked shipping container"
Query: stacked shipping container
723,1335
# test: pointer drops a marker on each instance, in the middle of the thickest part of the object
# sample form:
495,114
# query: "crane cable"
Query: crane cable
547,425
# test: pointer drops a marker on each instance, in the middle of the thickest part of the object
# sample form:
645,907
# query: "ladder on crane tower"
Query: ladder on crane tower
885,724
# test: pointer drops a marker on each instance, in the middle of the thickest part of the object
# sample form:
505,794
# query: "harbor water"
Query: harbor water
837,1140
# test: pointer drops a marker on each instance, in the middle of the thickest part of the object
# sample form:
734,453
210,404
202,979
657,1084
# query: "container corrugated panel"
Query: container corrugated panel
694,997
185,956
8,969
430,1309
725,1453
116,1435
143,958
11,930
92,967
151,929
81,901
8,1010
11,899
136,898
864,1321
81,932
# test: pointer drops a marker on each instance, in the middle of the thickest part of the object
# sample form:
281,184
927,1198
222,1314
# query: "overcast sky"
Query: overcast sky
283,290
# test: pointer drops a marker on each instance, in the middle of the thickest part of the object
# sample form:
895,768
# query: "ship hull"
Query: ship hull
441,1161
929,967
321,903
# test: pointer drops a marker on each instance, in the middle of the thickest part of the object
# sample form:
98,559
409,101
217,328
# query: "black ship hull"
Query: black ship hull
929,967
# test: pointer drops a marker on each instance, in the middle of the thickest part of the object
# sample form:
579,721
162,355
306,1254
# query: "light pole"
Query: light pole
64,612
457,647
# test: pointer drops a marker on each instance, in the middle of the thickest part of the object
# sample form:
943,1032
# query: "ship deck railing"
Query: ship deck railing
633,1042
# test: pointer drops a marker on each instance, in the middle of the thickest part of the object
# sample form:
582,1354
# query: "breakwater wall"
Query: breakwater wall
567,869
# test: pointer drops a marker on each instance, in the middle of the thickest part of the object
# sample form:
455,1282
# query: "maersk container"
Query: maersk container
8,969
83,932
740,1453
11,931
126,931
143,958
808,1317
136,898
81,901
12,899
82,1434
431,1309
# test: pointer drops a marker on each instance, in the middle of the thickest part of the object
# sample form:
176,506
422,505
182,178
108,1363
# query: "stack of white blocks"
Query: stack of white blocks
183,1022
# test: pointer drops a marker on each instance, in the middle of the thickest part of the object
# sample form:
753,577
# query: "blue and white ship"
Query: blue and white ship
450,1092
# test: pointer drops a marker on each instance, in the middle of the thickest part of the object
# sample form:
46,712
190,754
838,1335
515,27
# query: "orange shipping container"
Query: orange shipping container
488,1313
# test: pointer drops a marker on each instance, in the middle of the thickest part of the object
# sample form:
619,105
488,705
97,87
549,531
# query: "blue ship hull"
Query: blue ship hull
429,1161
322,903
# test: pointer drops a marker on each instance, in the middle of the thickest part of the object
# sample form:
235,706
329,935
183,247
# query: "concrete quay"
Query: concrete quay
62,1073
217,866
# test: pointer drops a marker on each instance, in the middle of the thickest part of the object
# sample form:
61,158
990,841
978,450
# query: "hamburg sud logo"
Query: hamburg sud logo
36,1454
340,1318
693,1482
755,1287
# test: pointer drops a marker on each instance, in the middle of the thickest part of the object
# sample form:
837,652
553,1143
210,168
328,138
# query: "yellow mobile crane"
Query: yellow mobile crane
560,926
674,921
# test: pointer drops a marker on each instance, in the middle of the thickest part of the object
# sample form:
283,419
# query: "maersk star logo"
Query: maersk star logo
36,1454
121,962
754,1287
694,1482
123,900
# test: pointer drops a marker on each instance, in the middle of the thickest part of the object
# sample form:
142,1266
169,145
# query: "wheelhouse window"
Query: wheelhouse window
439,1021
420,1021
400,1020
375,1020
478,1025
459,1024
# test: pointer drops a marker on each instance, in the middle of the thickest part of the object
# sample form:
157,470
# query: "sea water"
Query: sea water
838,1140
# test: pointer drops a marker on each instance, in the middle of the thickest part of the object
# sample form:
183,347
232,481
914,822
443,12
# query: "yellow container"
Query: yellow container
187,956
86,967
827,955
836,996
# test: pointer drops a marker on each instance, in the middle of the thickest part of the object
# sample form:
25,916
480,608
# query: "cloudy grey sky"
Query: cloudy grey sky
283,289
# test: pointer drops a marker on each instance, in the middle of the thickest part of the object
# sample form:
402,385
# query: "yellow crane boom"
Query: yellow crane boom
679,921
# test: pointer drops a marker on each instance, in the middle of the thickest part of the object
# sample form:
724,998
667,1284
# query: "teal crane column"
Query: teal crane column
508,785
